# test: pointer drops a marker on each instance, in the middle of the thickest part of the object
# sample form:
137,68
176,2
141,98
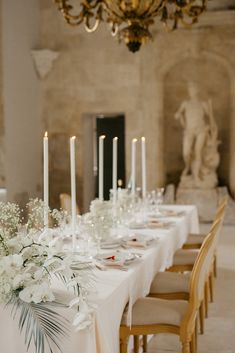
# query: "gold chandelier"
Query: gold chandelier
130,19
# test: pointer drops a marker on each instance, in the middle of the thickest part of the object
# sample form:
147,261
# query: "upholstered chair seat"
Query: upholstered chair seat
185,257
194,239
152,311
170,282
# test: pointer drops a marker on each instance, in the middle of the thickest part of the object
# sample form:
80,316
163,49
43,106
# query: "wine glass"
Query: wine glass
151,200
159,199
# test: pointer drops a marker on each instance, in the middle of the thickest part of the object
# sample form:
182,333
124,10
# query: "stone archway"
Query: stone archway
216,78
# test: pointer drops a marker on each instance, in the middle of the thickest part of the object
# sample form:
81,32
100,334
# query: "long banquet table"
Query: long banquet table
113,289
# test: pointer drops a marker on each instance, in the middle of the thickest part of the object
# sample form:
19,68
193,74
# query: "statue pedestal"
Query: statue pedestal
206,201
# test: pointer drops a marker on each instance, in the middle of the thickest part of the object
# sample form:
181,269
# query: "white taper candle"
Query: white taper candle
73,190
45,179
115,161
133,166
143,158
101,167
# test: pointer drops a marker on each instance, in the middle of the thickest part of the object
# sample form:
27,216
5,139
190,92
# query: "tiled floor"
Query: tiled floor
219,334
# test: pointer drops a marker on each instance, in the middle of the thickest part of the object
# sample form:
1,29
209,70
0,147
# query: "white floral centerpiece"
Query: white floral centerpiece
101,215
29,261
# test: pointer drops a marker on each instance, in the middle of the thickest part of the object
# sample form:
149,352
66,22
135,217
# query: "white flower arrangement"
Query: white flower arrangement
101,215
28,264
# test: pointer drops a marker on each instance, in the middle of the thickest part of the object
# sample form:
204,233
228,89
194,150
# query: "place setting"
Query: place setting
117,259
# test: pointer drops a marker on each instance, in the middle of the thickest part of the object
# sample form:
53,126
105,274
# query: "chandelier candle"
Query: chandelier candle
73,190
101,167
115,159
45,180
133,166
143,157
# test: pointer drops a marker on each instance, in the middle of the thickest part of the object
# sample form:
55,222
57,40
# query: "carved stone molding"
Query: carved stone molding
44,60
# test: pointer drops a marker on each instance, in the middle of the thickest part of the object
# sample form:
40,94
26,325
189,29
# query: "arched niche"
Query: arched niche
214,82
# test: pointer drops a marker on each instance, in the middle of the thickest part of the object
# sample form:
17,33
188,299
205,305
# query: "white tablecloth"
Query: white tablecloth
113,289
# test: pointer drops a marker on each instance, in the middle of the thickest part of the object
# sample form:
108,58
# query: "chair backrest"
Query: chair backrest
200,271
221,207
220,214
198,278
65,203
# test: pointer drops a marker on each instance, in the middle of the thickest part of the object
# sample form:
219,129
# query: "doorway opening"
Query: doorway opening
95,125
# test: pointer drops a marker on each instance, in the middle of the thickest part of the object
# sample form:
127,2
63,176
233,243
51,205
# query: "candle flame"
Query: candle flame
135,140
73,137
143,138
102,136
46,134
115,138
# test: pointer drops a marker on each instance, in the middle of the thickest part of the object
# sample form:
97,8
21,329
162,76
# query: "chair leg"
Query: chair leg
202,317
211,287
136,344
191,347
206,299
196,334
215,266
193,344
185,347
123,344
145,343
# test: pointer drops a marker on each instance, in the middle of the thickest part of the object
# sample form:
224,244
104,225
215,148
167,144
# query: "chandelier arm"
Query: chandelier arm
148,12
88,4
91,29
188,6
188,24
74,20
175,20
108,10
114,29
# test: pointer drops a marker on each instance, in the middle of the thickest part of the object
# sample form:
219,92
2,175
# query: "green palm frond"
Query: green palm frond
41,325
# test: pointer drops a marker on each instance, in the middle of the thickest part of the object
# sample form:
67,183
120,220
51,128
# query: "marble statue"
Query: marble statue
200,142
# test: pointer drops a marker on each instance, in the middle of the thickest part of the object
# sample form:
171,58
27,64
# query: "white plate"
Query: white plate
117,258
138,240
81,265
136,225
113,257
138,237
170,213
110,244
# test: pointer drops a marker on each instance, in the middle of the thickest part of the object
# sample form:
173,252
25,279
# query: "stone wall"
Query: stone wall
96,74
2,148
22,105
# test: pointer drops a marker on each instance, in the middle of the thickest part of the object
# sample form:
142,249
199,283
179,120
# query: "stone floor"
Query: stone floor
219,334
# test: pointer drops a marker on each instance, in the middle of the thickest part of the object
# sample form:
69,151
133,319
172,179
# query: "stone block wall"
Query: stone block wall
2,145
96,74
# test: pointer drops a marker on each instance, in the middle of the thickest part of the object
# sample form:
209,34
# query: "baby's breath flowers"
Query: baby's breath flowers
29,262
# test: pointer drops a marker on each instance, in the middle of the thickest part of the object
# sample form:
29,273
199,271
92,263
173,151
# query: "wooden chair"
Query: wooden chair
175,285
153,315
195,241
65,203
184,260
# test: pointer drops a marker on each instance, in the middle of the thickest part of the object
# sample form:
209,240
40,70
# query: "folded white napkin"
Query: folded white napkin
114,259
138,240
